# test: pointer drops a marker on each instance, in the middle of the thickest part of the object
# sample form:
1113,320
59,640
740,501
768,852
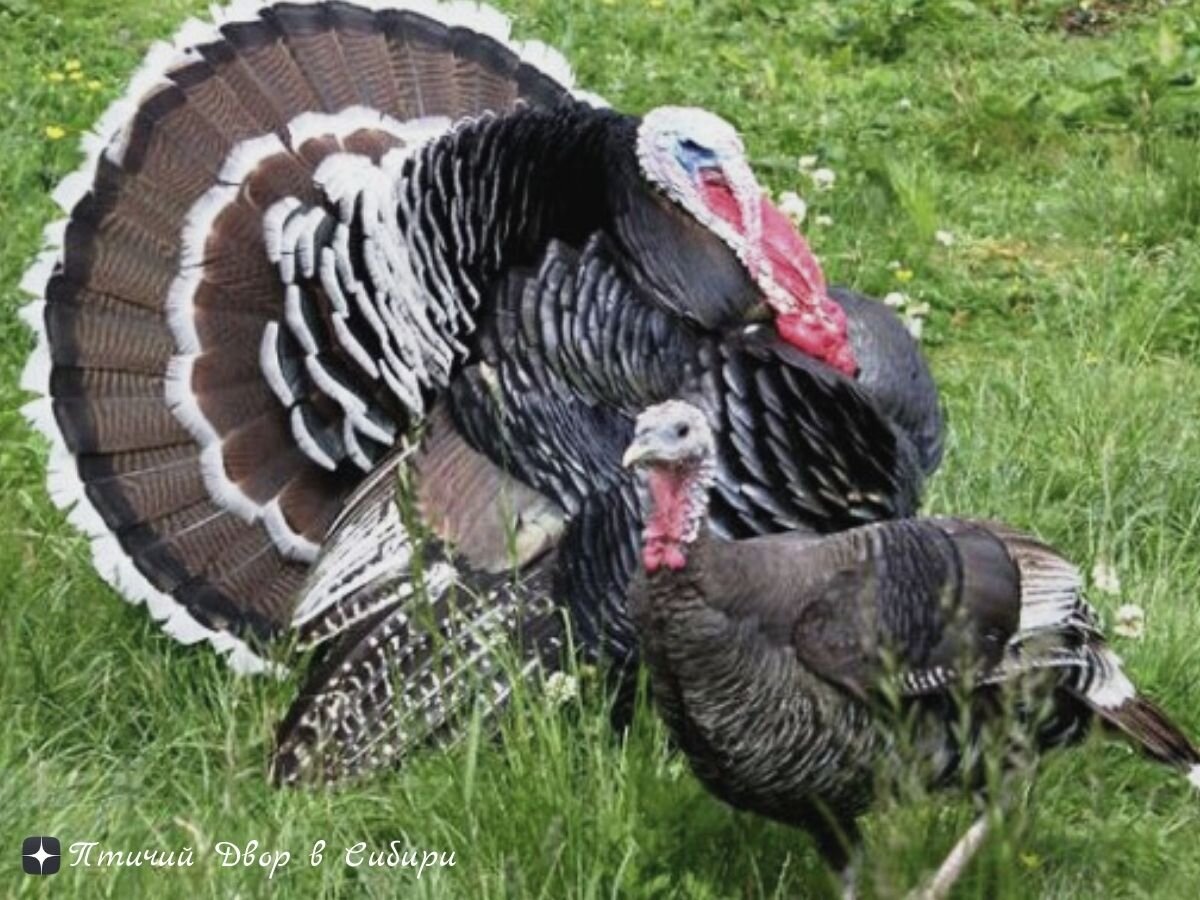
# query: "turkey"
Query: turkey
287,281
790,668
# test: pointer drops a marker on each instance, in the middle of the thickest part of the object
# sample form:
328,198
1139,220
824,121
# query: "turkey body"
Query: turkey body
321,249
791,669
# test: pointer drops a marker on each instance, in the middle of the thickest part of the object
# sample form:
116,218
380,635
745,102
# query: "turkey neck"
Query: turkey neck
674,550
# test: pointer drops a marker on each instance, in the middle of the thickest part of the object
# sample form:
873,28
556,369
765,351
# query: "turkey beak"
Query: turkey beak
638,452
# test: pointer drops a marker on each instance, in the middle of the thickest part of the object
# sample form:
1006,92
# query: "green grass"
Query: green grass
1065,332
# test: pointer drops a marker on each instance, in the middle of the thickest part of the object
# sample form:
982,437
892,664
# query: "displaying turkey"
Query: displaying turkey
790,668
287,275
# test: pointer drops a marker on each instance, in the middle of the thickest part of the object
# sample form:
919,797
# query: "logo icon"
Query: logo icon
40,855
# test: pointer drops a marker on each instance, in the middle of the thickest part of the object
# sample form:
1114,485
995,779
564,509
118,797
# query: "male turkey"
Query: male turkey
779,662
290,250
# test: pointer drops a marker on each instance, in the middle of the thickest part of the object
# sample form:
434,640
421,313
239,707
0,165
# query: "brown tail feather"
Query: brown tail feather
168,526
150,493
1153,732
362,41
310,36
264,53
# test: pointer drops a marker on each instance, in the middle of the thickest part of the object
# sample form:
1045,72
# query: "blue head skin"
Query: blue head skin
694,156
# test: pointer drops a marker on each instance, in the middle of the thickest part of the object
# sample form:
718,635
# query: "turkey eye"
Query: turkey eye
682,431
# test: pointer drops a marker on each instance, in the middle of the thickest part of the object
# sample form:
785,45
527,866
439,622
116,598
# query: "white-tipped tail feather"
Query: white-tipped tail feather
1110,687
111,138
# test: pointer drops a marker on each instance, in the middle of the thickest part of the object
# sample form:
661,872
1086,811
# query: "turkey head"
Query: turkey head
673,450
697,164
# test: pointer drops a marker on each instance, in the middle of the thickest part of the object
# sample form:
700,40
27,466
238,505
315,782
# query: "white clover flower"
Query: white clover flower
1131,622
823,221
904,104
943,237
911,314
793,206
807,163
823,179
893,265
1104,578
561,689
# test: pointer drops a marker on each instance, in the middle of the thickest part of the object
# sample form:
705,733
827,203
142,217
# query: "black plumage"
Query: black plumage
790,668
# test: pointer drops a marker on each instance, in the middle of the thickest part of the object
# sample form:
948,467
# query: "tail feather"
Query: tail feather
314,44
149,493
1060,631
154,296
362,39
96,332
71,382
1148,727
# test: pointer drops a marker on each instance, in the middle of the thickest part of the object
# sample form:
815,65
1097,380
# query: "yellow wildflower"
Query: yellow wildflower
55,77
94,85
73,65
55,132
904,276
75,75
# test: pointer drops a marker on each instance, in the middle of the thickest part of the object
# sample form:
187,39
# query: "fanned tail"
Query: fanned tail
202,435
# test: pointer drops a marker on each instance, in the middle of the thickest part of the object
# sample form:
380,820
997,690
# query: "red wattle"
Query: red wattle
668,520
821,339
657,554
795,269
823,336
793,265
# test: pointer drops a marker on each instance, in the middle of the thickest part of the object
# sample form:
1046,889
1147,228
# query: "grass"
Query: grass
1064,330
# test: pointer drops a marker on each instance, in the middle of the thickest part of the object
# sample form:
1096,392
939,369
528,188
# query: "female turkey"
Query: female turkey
282,255
778,663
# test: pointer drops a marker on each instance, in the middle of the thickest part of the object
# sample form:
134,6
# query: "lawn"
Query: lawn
1030,170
